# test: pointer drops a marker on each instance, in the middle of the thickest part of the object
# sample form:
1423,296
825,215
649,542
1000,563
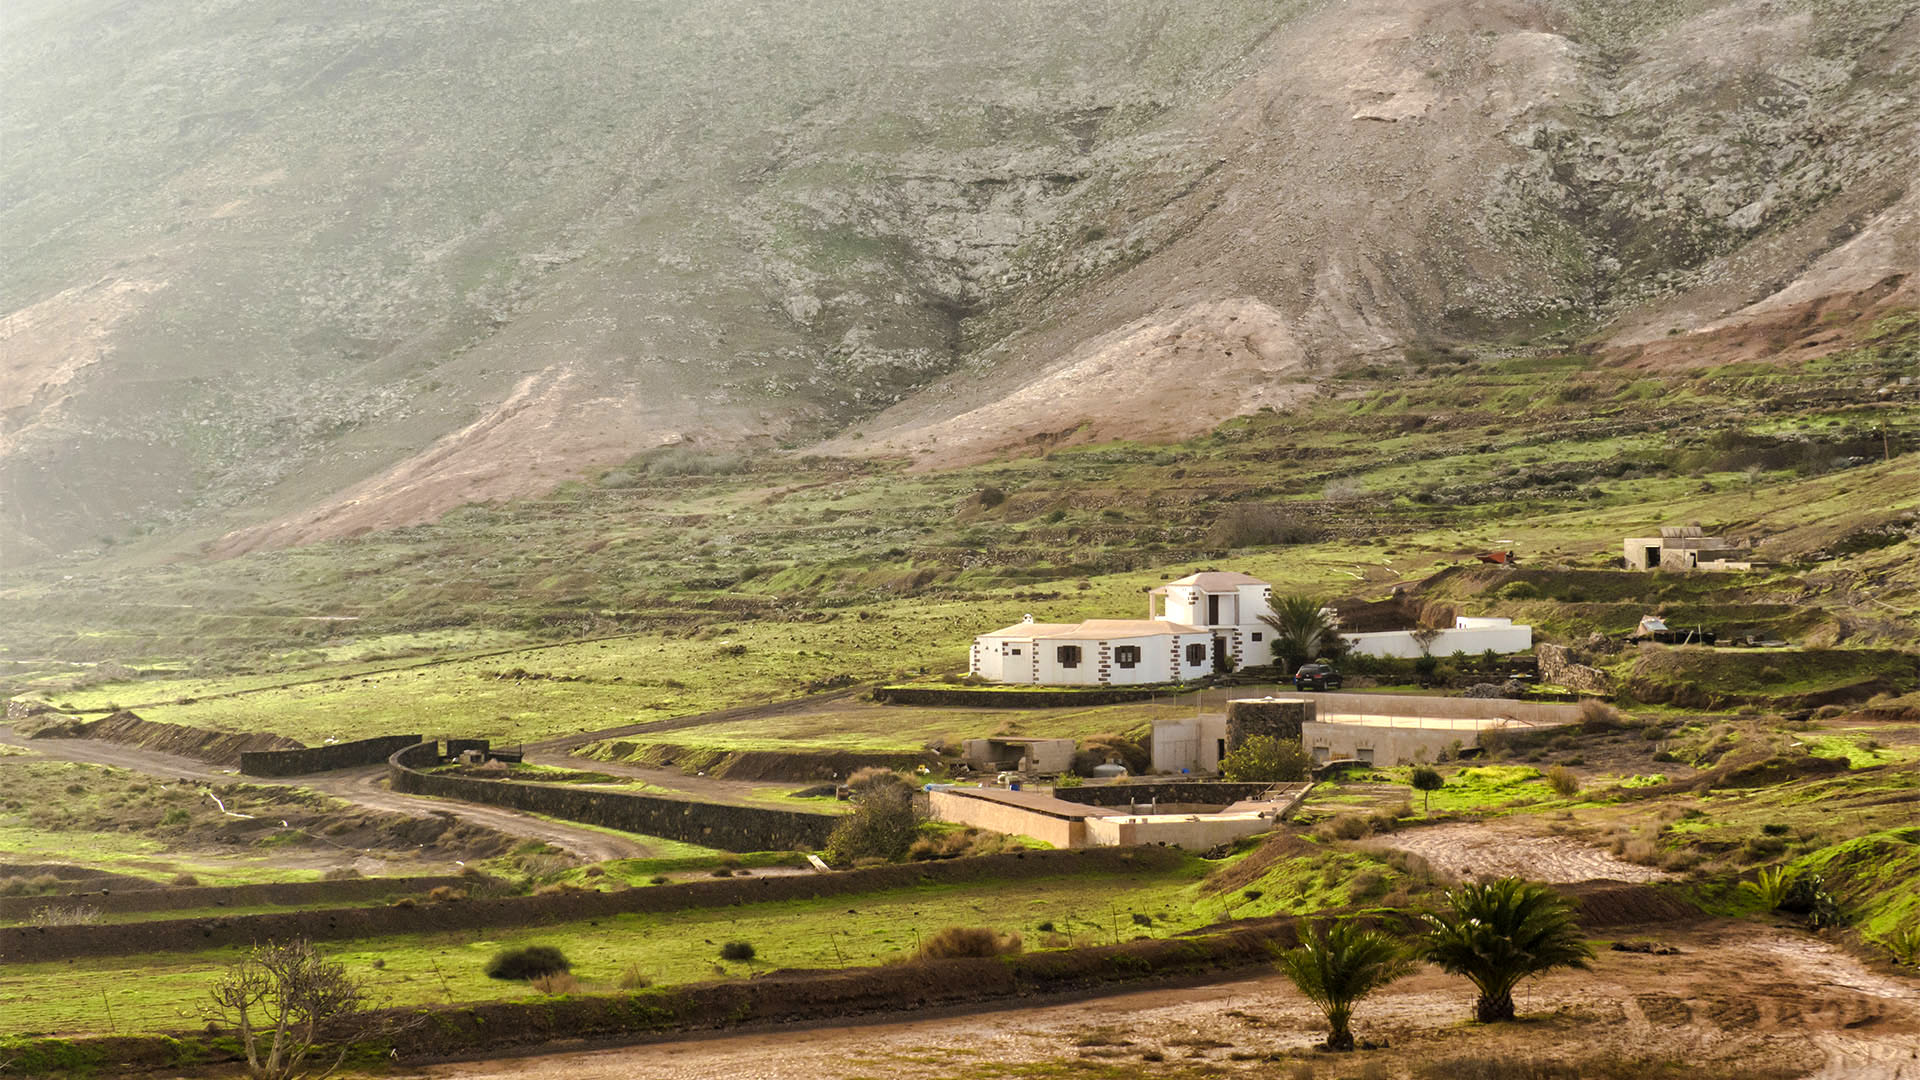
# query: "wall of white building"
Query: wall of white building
1192,744
1471,640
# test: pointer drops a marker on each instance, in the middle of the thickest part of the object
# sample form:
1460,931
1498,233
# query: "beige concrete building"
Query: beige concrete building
1387,741
1065,824
1020,754
1683,547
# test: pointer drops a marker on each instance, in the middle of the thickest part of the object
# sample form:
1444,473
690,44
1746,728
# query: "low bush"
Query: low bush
1563,781
527,963
965,941
555,984
739,951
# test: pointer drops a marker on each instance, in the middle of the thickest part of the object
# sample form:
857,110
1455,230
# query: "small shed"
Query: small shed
1015,753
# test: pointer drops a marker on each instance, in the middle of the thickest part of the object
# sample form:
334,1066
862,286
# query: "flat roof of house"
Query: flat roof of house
1431,723
1096,629
1112,628
1029,629
1210,580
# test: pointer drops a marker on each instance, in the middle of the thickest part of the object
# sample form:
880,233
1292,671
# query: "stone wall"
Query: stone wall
1558,667
1189,792
120,899
34,944
316,759
731,828
1280,718
1016,699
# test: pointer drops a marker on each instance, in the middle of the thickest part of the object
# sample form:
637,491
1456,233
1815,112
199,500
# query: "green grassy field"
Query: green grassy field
76,996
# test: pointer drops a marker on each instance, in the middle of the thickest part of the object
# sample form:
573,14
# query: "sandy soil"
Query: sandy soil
1470,850
362,787
1736,1000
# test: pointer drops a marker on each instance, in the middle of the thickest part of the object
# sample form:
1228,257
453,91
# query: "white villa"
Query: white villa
1193,627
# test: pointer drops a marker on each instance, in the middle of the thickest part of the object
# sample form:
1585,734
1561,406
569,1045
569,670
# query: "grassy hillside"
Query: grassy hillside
686,581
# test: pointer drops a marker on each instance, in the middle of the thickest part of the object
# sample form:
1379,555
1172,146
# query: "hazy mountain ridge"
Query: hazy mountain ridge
349,272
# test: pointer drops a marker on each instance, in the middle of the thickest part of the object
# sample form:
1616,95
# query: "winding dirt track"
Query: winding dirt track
365,787
1739,999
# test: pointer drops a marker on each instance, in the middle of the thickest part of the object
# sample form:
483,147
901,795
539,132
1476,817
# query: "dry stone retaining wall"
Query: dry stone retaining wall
732,828
33,944
316,759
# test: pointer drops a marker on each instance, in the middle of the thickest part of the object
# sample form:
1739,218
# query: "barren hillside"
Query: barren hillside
287,275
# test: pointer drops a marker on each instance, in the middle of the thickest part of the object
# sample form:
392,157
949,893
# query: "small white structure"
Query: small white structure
1098,652
1469,635
1683,547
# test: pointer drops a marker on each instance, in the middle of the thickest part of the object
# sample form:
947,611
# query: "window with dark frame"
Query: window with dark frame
1196,654
1069,655
1126,655
1258,636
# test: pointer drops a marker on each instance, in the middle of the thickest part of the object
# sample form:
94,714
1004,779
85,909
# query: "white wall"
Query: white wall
1191,744
1195,832
1400,643
995,659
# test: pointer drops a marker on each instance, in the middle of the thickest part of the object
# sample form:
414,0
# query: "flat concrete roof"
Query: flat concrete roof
1032,800
1432,723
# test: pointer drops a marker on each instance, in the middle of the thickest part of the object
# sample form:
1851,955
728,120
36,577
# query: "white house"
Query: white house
1098,652
1193,627
1469,635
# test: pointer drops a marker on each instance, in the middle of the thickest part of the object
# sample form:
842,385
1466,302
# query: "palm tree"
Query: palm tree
1301,630
1499,933
1337,966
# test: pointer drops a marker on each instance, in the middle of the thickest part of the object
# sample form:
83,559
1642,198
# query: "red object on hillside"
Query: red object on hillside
1500,558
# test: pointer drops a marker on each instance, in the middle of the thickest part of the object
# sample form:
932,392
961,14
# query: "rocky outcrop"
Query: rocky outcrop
1559,667
212,747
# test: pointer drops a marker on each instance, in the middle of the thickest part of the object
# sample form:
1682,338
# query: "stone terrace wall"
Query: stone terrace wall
32,944
1171,791
315,759
1015,699
171,898
731,828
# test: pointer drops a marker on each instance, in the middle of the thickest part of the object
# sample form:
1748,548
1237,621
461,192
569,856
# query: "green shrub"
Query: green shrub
883,825
527,962
739,951
1266,759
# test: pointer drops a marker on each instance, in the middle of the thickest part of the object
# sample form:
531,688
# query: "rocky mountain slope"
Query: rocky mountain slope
276,275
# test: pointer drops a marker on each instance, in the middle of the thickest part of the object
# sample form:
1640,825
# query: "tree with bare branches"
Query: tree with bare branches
280,999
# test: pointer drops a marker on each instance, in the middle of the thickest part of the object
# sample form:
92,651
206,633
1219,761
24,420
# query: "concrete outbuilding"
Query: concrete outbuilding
1684,547
1015,753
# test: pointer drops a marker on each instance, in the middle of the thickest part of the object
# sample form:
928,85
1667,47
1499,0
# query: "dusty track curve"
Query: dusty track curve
364,787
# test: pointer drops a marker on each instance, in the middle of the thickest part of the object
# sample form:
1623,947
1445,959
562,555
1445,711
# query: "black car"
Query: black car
1316,677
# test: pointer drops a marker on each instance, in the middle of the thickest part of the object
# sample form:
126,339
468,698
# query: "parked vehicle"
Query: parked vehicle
1316,677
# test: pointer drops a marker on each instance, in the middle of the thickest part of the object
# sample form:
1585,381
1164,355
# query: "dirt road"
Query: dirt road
1739,1000
365,787
1480,848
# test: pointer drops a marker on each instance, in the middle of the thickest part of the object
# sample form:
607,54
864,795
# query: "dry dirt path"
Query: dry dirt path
1738,1000
364,787
1482,848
